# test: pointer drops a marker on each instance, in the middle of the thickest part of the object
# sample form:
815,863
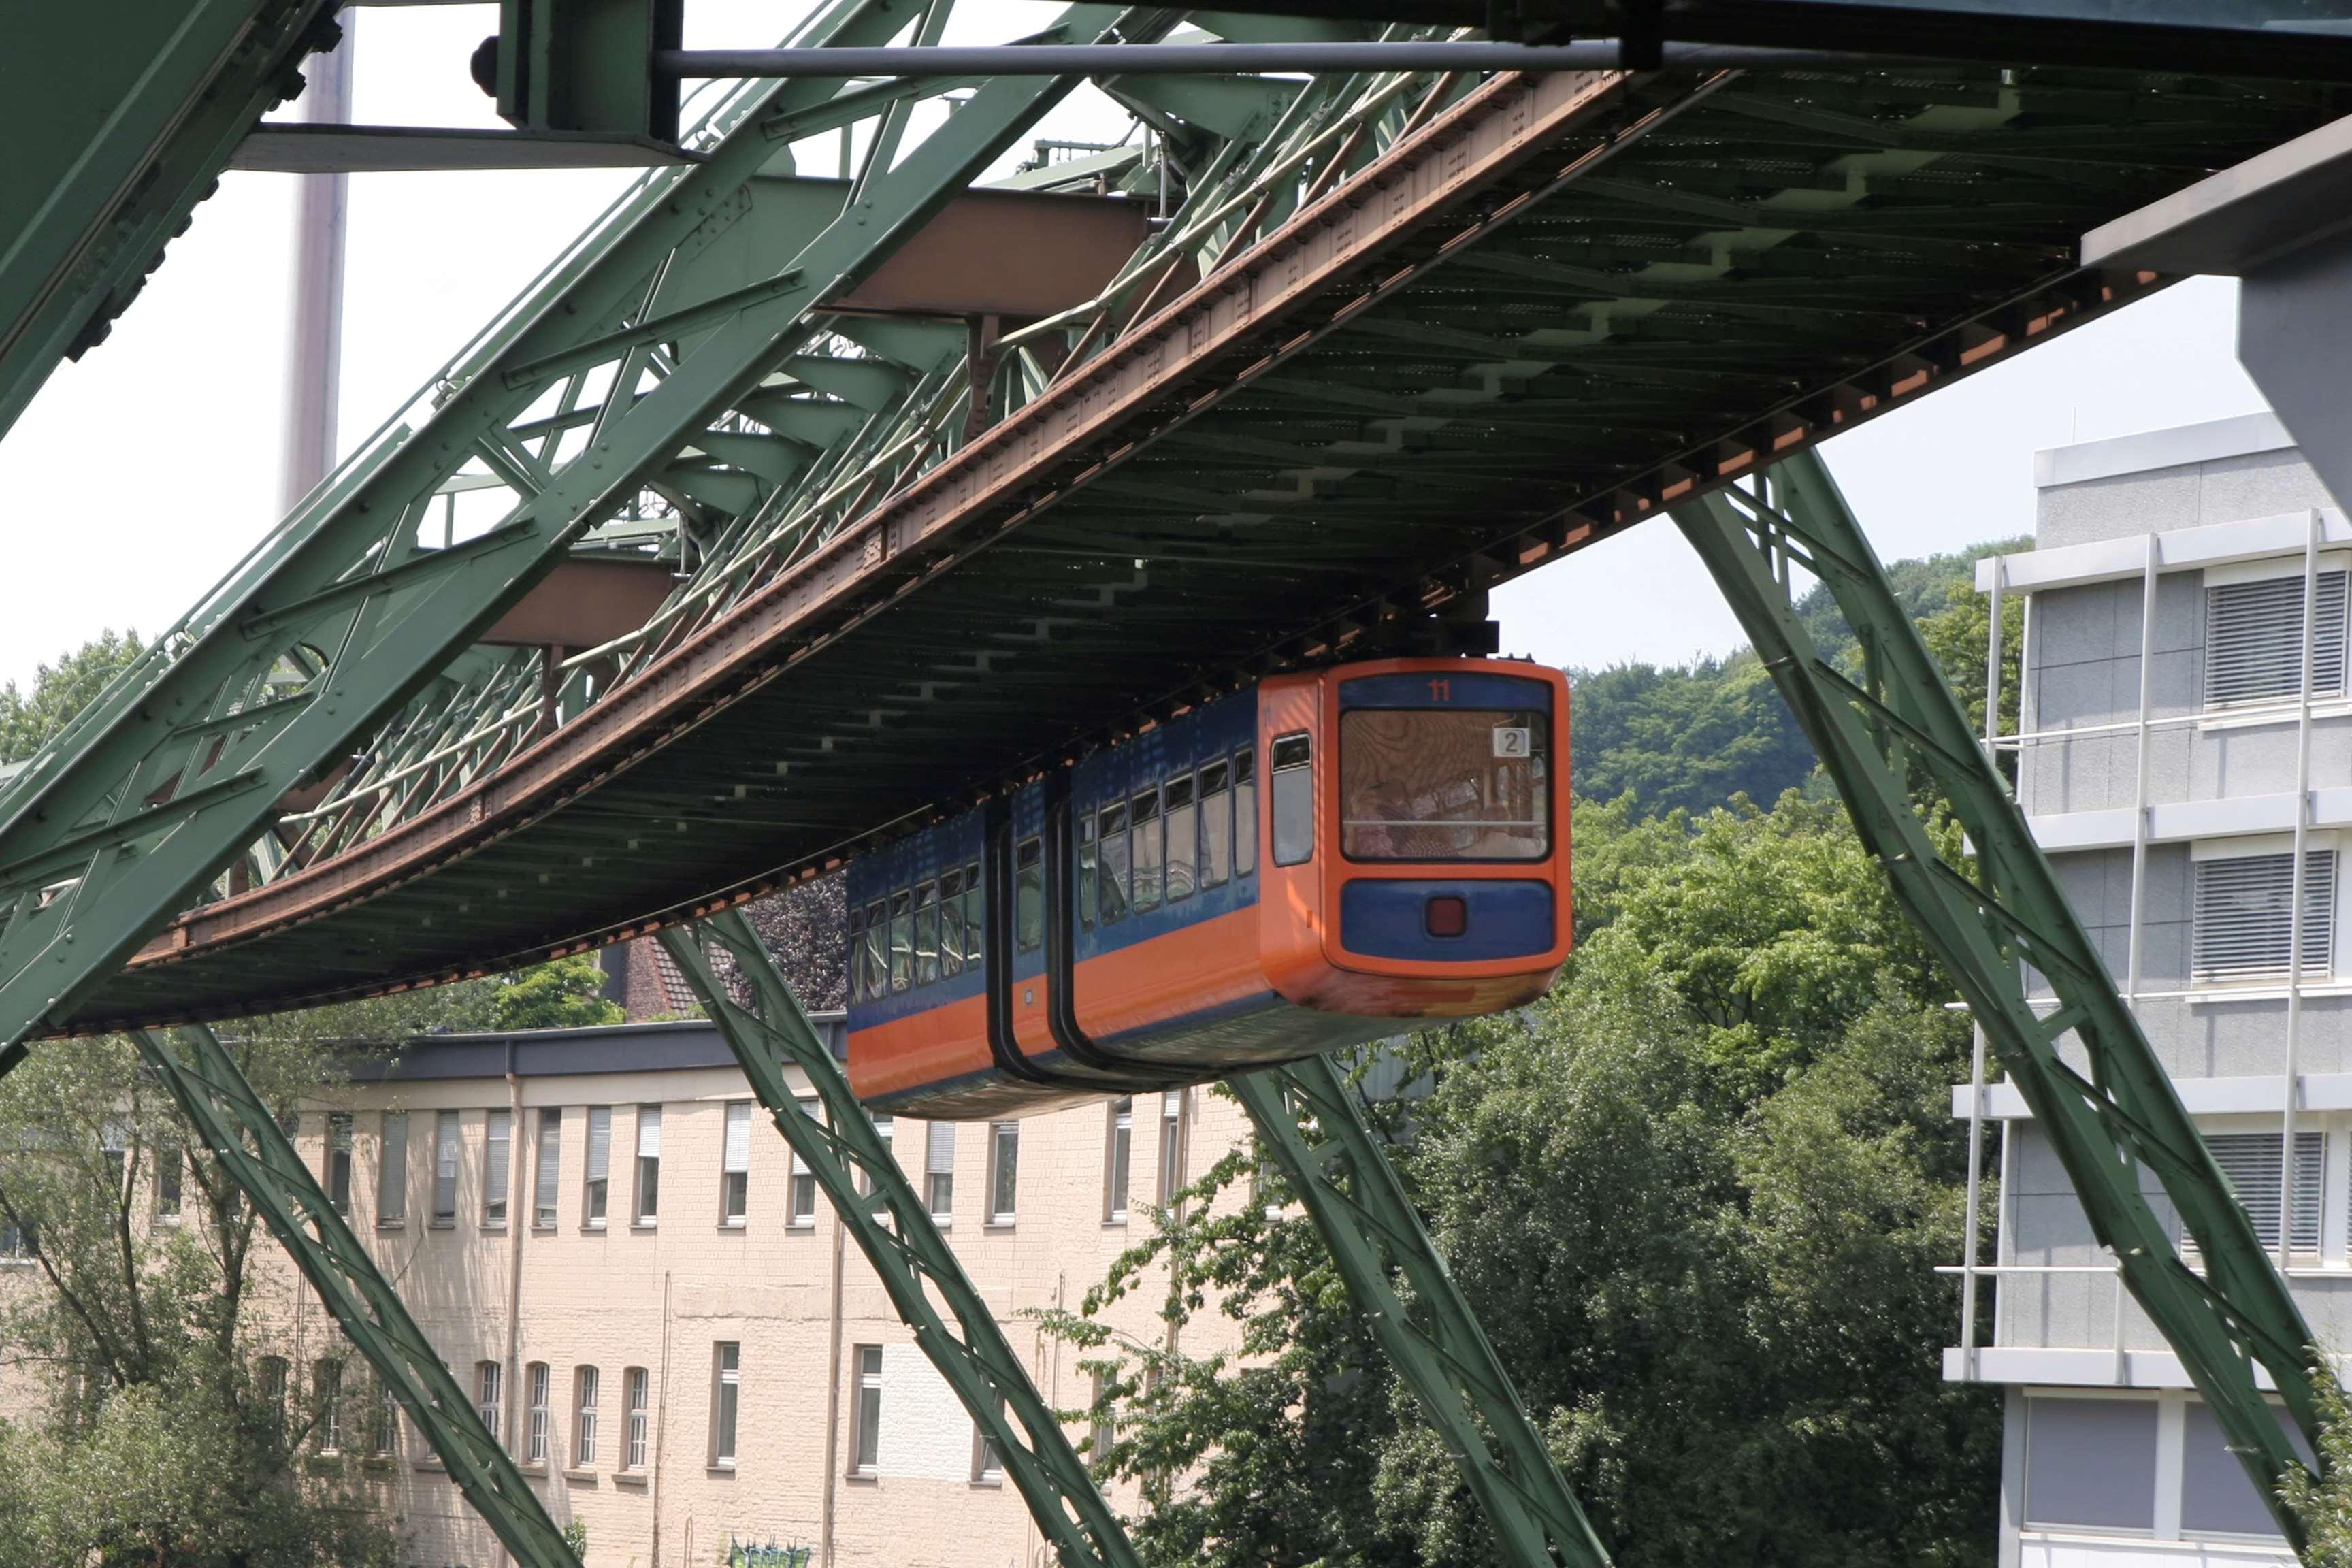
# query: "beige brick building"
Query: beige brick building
611,1247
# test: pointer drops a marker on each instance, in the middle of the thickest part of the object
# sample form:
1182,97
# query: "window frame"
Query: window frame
448,1159
2323,896
636,1415
1119,1157
645,1184
1146,830
547,1168
488,1399
536,1383
1029,894
801,1214
497,1167
726,1402
1284,798
1215,800
735,1179
1004,1172
587,1393
865,1415
338,1142
596,1171
1174,1111
2331,666
938,1172
392,1171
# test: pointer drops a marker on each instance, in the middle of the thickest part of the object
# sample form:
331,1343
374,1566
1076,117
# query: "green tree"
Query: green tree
59,691
1696,1196
167,1435
563,994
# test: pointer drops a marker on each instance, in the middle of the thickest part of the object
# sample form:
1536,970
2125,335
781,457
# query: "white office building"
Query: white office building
2164,739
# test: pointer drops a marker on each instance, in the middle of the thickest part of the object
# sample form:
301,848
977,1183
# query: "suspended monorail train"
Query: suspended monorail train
1305,863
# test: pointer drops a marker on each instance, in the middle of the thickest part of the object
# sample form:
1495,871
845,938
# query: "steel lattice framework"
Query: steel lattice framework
1401,338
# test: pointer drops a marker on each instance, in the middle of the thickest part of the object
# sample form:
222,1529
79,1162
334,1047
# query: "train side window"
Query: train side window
1183,839
1112,847
877,937
1244,812
857,955
927,934
1147,849
1216,824
975,912
952,924
1293,762
902,941
1028,895
1086,870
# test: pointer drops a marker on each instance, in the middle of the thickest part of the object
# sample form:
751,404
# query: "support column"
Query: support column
893,1228
245,1137
1308,1118
1892,746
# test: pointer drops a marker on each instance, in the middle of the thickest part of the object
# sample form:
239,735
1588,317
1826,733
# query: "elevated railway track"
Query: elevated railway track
1551,307
769,524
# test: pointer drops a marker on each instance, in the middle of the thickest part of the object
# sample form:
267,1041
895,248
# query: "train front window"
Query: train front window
902,941
1149,850
1293,761
1113,883
1183,839
1216,826
1028,894
1444,785
952,924
927,934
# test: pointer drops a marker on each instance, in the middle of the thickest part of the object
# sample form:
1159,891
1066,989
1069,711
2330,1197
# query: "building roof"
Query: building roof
560,1052
2244,435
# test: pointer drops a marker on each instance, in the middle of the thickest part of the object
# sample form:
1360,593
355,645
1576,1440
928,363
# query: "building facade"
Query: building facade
656,1311
2166,736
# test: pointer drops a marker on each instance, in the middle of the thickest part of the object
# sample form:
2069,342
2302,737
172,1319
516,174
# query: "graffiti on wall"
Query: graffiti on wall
749,1554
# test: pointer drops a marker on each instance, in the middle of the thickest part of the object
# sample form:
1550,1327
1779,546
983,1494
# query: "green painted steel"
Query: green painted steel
1308,1118
116,128
1993,920
892,1226
348,609
244,1135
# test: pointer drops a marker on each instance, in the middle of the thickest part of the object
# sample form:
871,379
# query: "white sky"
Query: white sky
140,475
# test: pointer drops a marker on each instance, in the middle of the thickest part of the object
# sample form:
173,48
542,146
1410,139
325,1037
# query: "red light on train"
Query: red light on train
1446,915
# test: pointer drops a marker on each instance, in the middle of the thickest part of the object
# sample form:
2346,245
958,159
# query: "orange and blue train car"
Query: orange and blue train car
1309,863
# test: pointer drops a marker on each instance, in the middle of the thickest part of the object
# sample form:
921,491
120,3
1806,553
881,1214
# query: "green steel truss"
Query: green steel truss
2086,1071
611,374
1308,1118
893,1228
247,1140
114,134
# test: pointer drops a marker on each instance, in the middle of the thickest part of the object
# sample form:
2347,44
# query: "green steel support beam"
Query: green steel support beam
1352,1192
892,1226
126,817
117,125
1993,921
247,1140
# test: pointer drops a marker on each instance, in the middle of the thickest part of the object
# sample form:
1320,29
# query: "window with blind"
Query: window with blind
735,1165
649,1125
800,1204
550,1167
2251,1161
2253,639
2244,917
599,1166
939,1171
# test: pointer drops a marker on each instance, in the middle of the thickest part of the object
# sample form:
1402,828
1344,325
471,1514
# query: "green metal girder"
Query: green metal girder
116,128
892,1226
1988,924
255,1151
1308,1118
124,818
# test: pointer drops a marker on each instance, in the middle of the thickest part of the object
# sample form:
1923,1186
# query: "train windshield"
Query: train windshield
1444,785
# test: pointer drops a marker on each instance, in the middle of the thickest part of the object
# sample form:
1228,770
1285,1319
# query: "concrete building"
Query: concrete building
2164,739
655,1309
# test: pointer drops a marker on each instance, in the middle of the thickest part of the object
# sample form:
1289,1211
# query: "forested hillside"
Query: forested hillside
1689,736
